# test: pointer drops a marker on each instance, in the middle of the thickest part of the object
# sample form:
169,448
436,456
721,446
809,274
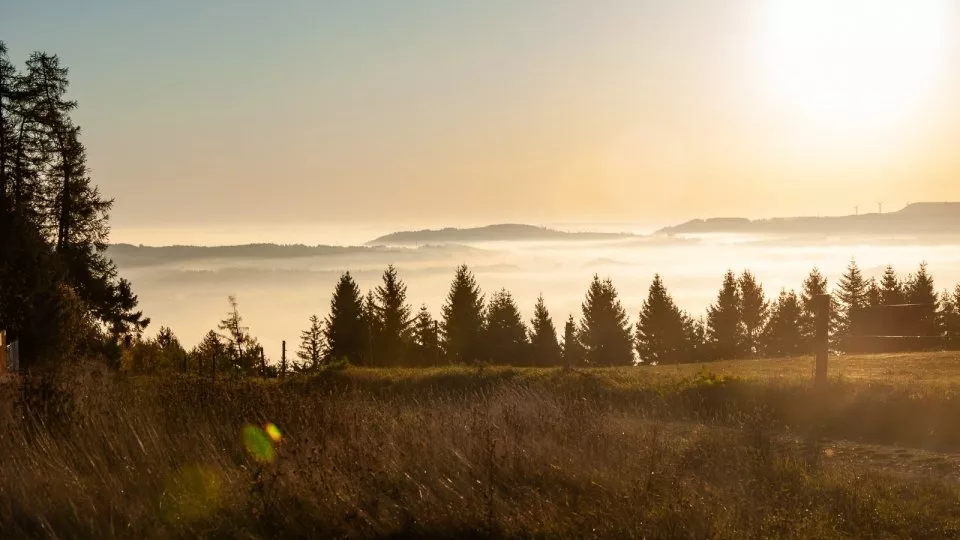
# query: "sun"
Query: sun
863,63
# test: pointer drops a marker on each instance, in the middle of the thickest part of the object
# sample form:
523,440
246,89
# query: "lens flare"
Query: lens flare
258,444
272,431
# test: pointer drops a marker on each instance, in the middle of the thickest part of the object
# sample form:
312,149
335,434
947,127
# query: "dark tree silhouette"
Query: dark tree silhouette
782,335
544,347
753,312
311,348
891,287
813,286
663,331
53,220
345,328
211,354
573,353
426,339
724,328
462,325
851,295
244,348
505,336
950,316
874,294
604,328
393,320
920,290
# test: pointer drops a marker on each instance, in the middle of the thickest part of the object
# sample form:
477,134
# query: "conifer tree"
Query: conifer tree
573,354
891,287
604,329
921,291
753,312
544,347
697,338
345,328
462,325
426,339
950,317
370,333
874,294
663,331
244,349
505,336
851,297
393,321
311,348
813,286
782,335
211,354
724,328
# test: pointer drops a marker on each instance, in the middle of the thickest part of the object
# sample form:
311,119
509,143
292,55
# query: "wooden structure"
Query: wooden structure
821,343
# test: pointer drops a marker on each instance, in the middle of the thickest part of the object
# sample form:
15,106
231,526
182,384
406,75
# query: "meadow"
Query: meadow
740,449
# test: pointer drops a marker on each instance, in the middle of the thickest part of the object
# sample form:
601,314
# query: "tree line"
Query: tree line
381,329
60,294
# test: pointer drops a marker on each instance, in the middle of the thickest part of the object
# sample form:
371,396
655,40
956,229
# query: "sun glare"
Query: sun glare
861,63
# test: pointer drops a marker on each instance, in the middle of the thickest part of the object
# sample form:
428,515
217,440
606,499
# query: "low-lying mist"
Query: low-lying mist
279,287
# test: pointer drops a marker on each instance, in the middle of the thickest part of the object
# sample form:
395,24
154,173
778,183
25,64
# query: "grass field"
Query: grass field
724,450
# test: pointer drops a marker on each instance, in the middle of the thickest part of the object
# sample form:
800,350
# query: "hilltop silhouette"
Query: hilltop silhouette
916,218
490,233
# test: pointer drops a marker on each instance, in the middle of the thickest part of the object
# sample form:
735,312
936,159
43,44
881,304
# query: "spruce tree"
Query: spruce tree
724,328
426,339
243,348
891,287
813,286
544,347
604,328
782,335
663,331
921,291
696,330
851,295
573,354
210,355
345,327
311,348
874,294
753,312
462,325
950,317
505,336
392,316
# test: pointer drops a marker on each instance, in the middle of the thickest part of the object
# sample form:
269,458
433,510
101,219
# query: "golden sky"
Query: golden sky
443,113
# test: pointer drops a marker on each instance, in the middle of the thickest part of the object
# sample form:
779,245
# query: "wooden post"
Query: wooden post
821,342
283,358
3,352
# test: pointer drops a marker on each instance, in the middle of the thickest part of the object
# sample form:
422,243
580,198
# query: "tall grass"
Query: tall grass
442,453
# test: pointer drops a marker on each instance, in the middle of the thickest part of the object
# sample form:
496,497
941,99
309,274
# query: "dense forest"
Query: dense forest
61,297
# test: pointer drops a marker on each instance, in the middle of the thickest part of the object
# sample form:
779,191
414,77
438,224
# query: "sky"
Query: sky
242,115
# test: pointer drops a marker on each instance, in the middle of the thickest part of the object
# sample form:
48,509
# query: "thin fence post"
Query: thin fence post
822,339
283,358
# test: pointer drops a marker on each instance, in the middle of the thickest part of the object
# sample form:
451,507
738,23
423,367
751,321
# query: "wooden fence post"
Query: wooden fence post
283,358
822,338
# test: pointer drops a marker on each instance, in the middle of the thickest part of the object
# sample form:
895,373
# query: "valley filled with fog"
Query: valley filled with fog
279,287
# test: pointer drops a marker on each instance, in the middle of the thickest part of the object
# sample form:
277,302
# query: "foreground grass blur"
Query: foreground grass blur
738,450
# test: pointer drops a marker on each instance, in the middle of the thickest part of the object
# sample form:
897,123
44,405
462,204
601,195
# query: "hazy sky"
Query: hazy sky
443,112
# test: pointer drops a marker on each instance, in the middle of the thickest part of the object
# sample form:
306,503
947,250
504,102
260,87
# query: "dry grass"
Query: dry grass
459,452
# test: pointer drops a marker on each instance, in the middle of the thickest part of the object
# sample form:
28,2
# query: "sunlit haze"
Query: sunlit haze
204,116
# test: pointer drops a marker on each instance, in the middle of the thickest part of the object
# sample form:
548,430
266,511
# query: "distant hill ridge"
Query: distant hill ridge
915,218
491,233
